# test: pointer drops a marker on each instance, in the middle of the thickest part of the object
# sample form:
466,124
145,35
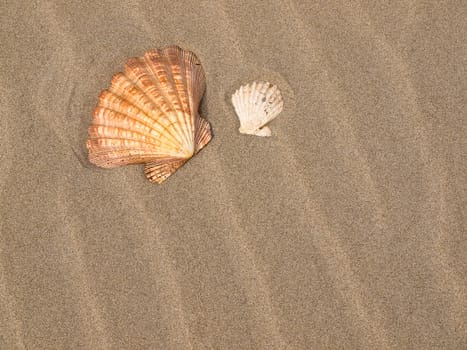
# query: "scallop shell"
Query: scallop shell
256,104
149,114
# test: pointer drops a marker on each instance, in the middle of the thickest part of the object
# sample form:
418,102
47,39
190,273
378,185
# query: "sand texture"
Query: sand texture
344,230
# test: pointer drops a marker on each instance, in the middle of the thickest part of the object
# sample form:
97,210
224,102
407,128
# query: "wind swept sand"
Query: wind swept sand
345,230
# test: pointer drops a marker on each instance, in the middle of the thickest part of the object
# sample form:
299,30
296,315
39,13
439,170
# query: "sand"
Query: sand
345,230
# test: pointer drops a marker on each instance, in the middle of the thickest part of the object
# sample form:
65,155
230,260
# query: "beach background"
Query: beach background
344,230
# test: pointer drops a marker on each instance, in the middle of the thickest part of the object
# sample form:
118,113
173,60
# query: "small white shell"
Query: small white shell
257,104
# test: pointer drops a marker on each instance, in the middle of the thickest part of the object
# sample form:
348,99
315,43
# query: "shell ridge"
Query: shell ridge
120,143
243,106
121,91
260,94
188,78
197,80
242,109
150,66
131,153
113,159
139,104
139,121
275,100
189,90
256,104
121,99
173,59
250,108
203,133
170,140
175,98
146,73
159,170
184,73
106,132
149,114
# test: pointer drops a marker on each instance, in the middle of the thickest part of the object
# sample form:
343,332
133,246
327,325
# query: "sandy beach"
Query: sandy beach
344,230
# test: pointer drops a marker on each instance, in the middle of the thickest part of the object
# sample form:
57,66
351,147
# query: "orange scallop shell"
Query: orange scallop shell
149,114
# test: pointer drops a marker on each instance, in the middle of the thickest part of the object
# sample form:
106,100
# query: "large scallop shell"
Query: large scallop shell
149,114
256,104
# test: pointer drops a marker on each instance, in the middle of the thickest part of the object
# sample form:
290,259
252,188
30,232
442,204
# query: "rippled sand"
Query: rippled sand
345,230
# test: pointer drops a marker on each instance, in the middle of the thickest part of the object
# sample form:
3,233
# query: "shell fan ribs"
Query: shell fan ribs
149,114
